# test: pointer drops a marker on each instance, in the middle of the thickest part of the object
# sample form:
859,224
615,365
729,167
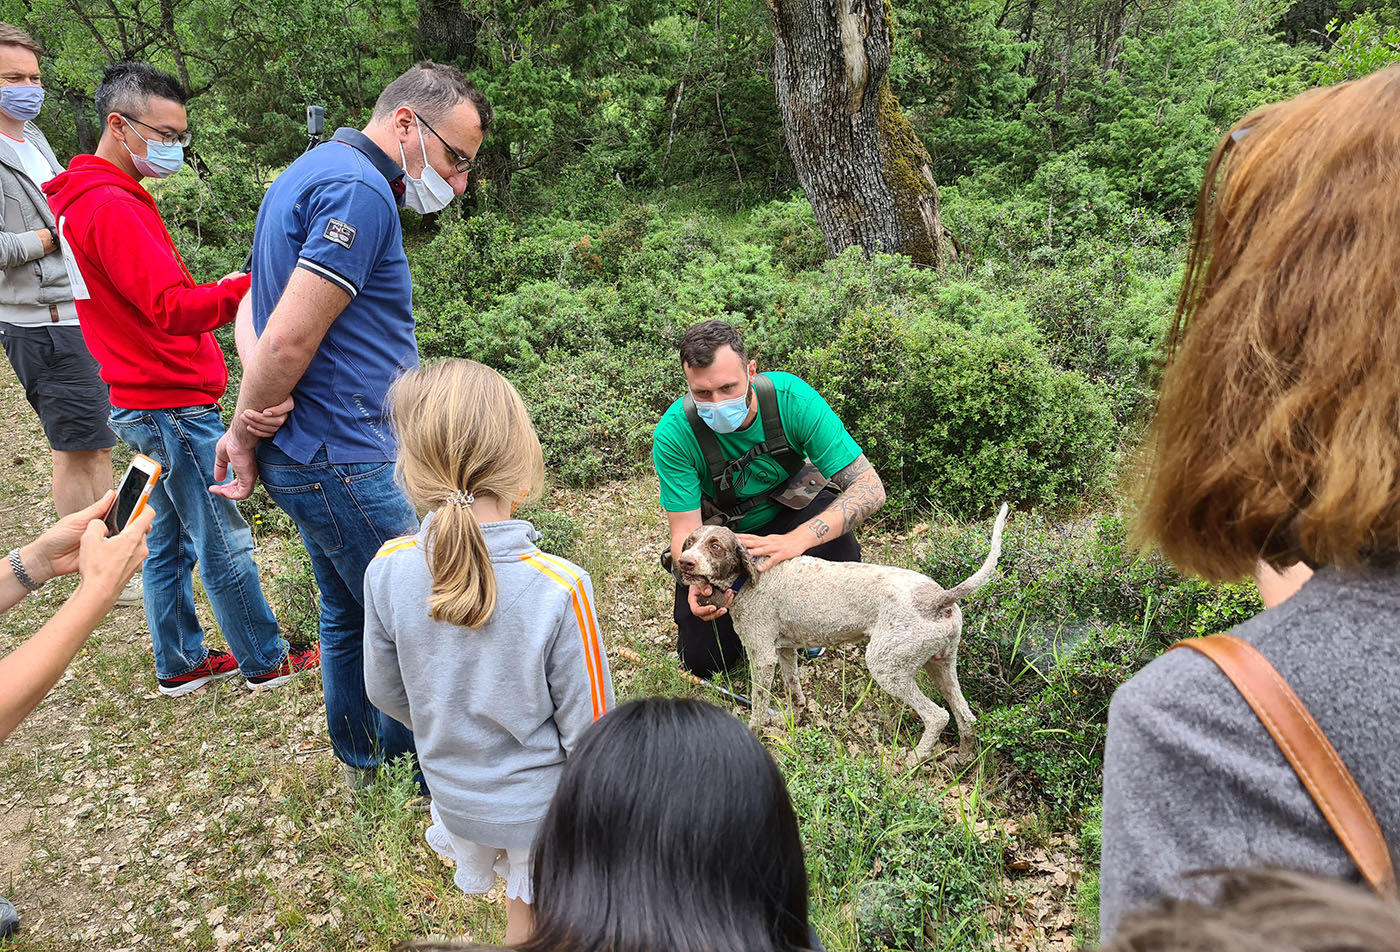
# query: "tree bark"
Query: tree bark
448,31
867,175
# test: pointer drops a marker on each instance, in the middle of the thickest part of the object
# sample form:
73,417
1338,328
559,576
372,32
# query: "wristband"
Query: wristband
17,565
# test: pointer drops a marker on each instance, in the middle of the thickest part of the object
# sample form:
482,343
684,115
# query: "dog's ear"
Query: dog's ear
746,561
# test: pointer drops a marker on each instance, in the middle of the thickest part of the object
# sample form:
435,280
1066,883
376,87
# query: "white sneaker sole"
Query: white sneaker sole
180,690
271,683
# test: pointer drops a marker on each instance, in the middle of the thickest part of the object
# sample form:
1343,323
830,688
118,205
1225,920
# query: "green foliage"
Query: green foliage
907,876
1071,613
961,418
1358,48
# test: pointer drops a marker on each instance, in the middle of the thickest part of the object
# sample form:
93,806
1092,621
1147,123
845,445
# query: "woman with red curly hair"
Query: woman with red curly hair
1276,442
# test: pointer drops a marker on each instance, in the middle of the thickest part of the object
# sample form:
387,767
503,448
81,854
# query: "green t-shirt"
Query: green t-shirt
811,427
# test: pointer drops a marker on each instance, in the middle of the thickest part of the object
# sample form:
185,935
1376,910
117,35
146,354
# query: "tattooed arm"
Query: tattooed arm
862,493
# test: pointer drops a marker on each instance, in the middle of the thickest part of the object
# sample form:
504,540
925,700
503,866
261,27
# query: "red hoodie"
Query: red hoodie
147,322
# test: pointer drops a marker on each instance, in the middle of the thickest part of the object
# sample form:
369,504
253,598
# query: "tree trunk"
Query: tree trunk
867,175
448,31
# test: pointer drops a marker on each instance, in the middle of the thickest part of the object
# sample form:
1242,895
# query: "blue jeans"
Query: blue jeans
193,525
345,512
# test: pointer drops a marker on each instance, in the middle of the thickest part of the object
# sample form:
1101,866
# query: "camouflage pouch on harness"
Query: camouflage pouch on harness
799,491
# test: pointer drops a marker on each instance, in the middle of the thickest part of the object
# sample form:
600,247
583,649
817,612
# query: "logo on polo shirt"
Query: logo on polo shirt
340,232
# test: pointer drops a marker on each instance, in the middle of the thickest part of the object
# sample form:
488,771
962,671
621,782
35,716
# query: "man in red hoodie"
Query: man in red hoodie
150,326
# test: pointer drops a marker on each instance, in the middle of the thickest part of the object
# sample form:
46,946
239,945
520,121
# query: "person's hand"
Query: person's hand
55,552
233,274
707,612
238,453
769,550
264,424
46,239
106,565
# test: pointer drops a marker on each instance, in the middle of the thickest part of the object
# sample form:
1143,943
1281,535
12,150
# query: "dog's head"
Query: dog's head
712,555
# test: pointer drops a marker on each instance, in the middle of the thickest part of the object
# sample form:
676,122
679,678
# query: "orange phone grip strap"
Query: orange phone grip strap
1312,755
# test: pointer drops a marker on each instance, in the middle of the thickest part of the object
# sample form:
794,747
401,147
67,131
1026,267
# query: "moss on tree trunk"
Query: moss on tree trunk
864,170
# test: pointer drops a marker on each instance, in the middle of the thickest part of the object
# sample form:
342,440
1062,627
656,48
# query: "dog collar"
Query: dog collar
739,583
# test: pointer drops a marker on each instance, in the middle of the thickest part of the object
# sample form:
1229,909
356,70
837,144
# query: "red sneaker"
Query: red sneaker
217,666
299,658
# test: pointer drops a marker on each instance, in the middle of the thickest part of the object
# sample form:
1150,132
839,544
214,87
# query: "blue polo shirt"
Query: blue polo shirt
333,212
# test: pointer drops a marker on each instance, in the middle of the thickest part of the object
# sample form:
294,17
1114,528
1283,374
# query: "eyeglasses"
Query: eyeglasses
463,164
169,138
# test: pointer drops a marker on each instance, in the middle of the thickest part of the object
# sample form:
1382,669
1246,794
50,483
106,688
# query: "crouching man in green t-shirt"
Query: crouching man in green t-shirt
765,455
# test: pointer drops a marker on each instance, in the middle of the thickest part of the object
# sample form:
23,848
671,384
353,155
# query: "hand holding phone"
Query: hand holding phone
132,492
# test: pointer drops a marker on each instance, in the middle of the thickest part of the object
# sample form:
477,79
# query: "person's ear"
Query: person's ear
753,368
403,122
116,126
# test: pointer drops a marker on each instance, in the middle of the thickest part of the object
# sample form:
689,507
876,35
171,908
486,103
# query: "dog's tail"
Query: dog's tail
935,601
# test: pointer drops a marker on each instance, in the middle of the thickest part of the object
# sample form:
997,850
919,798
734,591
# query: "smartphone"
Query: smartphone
132,492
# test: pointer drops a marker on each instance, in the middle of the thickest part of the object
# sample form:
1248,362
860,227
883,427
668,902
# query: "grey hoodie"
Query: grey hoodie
1192,779
495,711
29,279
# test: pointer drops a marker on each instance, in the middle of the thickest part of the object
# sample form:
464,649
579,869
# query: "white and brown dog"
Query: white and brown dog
909,619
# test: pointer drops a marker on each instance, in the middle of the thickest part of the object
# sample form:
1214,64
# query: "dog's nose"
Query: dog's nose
686,560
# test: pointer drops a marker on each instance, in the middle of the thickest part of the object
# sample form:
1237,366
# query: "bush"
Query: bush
1071,613
963,420
790,229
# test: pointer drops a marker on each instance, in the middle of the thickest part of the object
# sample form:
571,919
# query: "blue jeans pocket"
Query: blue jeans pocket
138,430
306,503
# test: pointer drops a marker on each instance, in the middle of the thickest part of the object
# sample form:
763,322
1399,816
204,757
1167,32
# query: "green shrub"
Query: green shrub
790,230
595,410
963,420
1071,613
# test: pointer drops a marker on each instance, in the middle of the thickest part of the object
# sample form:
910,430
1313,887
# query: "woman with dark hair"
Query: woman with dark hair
671,831
1276,442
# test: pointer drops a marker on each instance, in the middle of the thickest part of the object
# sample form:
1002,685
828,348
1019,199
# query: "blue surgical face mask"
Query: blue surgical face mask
160,160
22,102
725,416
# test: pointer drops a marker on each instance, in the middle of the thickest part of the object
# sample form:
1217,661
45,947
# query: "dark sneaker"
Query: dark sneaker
217,666
299,658
810,653
9,919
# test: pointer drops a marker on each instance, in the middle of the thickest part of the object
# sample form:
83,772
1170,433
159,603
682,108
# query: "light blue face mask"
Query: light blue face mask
725,416
22,102
160,160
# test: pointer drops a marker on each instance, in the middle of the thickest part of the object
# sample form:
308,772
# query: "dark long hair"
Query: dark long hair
671,831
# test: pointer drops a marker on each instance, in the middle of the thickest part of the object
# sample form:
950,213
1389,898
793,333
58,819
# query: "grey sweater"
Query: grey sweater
29,279
1193,781
495,711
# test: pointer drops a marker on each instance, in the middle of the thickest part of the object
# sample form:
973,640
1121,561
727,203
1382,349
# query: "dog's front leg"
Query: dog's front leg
761,663
787,667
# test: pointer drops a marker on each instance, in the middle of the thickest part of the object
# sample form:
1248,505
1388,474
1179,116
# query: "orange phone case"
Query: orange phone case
146,491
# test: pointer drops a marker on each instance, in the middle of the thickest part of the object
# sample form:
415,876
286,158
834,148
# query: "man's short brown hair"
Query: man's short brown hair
1277,435
432,90
699,344
14,36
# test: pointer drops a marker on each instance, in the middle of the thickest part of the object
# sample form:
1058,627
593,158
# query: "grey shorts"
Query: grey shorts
61,384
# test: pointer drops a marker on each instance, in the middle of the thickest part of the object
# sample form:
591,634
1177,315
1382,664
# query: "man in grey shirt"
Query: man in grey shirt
38,320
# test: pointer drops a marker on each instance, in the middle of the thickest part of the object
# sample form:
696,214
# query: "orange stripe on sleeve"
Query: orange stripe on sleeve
595,687
592,643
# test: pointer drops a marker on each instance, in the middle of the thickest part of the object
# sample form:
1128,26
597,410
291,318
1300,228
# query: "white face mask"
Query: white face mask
427,194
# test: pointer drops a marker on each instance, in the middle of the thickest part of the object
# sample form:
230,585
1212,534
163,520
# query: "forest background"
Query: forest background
638,180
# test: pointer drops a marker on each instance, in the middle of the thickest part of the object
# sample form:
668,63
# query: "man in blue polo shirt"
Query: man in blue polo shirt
332,310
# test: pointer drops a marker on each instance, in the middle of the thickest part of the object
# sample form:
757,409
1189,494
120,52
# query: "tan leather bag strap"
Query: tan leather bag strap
1309,751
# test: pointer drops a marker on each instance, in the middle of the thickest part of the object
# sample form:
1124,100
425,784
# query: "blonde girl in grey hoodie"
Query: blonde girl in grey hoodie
481,644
